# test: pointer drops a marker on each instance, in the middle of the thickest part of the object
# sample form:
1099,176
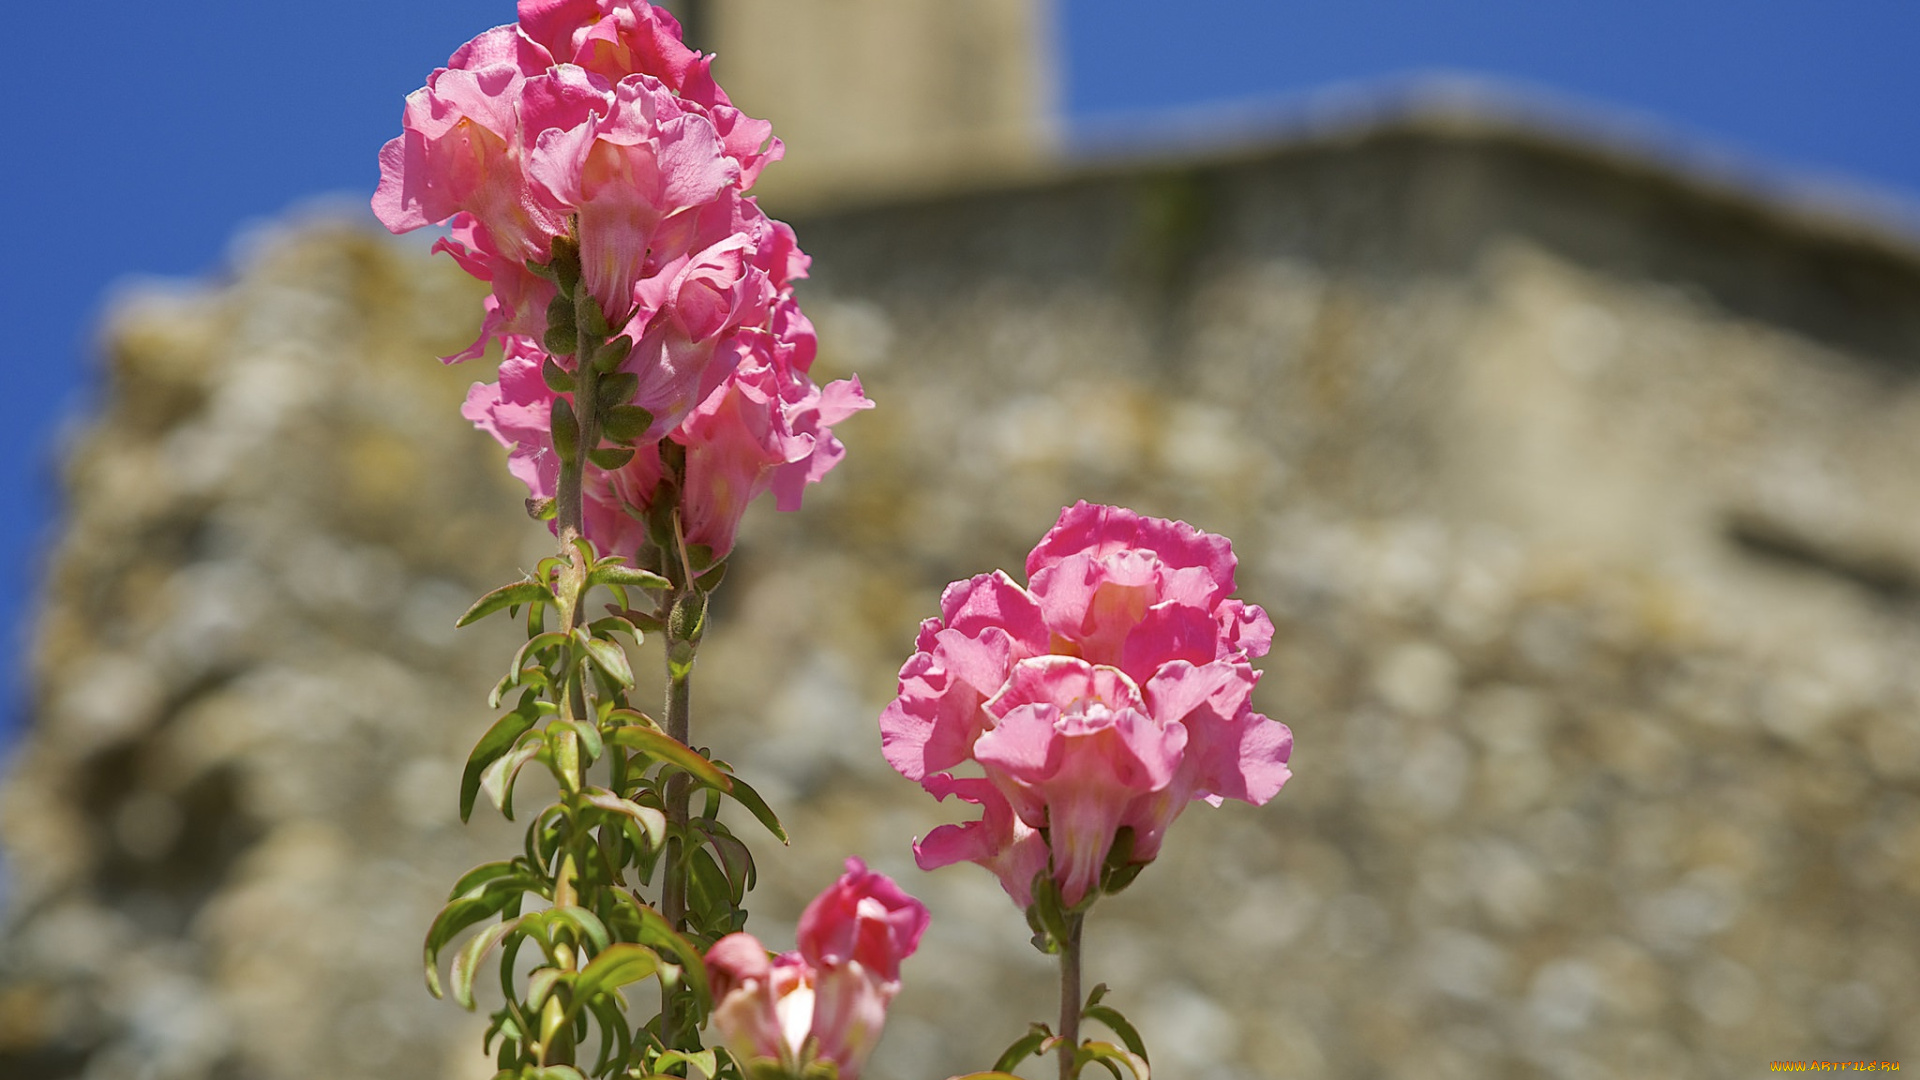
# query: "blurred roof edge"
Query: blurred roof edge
1465,109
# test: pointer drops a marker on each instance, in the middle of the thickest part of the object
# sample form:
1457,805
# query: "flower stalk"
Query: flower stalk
1070,997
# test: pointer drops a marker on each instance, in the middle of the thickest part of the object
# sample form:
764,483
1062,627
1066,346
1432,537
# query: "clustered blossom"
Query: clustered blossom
827,1000
590,122
1110,692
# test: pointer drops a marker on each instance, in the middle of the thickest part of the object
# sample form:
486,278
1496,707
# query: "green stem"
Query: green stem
1070,997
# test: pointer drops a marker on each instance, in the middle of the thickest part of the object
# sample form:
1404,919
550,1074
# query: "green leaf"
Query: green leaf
616,966
565,262
591,318
498,740
1114,1022
564,426
650,821
1023,1048
708,886
736,860
610,457
618,387
587,925
611,355
452,919
558,379
616,1042
541,983
744,794
497,780
554,1072
591,744
614,624
704,1060
612,573
467,961
520,592
625,423
1110,1055
561,340
608,656
474,880
632,718
673,752
652,928
537,646
710,579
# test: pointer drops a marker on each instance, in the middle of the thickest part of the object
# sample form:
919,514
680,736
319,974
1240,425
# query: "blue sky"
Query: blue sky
146,135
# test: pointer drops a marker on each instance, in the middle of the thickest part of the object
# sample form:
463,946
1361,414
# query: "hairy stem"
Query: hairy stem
1070,997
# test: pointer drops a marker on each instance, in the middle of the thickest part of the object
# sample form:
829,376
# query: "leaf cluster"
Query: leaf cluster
576,890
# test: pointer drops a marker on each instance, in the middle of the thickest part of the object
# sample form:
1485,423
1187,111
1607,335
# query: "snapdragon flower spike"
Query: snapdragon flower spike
589,122
587,118
827,1000
1109,693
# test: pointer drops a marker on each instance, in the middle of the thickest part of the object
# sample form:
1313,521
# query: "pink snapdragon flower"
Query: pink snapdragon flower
1108,694
764,427
826,1000
587,118
591,120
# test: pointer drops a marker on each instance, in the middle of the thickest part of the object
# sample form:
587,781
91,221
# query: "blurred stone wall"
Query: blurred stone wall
1582,495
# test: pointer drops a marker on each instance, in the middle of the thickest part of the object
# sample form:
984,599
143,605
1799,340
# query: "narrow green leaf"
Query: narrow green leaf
614,624
651,821
608,656
1109,1054
744,794
520,592
564,426
736,860
707,886
588,925
1023,1048
475,879
705,1060
615,1040
674,753
498,740
467,961
536,645
632,717
591,744
1119,1025
497,780
616,966
612,573
541,983
453,918
652,928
